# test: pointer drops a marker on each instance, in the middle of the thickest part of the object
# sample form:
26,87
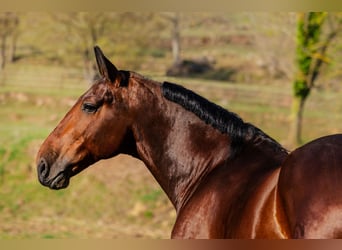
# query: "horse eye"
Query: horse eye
89,108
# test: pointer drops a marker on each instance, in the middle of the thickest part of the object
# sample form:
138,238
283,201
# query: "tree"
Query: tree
174,18
176,48
8,26
84,31
312,44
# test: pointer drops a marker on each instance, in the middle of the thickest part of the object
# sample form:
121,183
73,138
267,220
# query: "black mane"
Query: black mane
223,120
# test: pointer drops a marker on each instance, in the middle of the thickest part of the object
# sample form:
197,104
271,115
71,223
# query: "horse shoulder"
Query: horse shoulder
263,216
215,211
203,216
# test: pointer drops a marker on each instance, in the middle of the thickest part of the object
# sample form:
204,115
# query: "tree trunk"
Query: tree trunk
175,39
90,72
12,49
3,52
297,112
13,39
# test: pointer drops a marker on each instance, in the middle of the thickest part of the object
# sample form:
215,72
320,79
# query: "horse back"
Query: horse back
310,187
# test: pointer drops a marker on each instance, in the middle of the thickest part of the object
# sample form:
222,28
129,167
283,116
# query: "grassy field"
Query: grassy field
116,198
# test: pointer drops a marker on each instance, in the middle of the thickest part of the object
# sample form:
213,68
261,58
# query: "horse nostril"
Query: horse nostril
43,170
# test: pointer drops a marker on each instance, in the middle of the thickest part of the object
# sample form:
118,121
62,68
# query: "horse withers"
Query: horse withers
226,178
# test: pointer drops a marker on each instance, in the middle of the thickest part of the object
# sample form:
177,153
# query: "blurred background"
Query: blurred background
280,71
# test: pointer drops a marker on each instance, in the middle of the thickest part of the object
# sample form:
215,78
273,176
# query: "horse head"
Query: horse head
82,137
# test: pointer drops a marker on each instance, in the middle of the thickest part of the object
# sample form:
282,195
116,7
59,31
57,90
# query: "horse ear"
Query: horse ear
106,68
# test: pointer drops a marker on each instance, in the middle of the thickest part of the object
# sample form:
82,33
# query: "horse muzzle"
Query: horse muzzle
54,181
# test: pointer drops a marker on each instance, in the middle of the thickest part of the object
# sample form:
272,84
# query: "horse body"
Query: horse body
311,188
225,178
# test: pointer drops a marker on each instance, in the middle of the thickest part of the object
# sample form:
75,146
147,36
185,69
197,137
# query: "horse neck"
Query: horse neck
177,147
181,150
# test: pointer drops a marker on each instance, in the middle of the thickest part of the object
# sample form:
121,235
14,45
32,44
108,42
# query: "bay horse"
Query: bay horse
225,178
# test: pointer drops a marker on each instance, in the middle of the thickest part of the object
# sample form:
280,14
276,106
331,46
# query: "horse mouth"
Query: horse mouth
60,181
